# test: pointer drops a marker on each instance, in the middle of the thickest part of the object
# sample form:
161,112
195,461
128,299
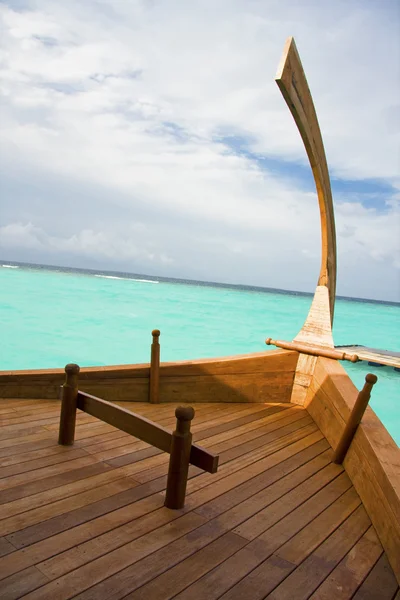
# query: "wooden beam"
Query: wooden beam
293,84
312,350
127,421
142,428
317,328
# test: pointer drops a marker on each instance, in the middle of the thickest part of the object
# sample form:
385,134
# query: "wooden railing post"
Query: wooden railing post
354,419
154,383
69,393
179,458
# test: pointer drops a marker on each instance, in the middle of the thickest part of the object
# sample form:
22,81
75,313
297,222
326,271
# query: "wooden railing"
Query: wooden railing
354,419
178,444
312,350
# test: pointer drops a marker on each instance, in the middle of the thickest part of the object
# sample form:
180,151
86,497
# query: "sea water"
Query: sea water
52,316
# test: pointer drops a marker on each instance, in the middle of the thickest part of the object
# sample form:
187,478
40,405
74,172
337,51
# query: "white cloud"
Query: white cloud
90,90
88,243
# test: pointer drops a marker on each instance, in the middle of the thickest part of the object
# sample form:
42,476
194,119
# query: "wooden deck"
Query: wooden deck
278,520
384,358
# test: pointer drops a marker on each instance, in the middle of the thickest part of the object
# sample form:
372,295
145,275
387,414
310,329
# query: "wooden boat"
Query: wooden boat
305,502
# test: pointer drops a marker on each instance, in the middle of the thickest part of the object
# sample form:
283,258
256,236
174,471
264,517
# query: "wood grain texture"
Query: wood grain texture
317,328
373,459
258,377
142,428
278,514
293,85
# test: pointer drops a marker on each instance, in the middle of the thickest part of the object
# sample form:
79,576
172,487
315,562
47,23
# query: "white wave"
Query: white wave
110,277
127,278
10,267
146,280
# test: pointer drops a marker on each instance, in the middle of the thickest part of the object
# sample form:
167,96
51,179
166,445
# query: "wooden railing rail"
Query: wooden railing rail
124,419
354,420
178,444
312,350
154,381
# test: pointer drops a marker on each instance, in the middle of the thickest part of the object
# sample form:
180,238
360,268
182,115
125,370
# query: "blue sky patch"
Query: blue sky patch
371,193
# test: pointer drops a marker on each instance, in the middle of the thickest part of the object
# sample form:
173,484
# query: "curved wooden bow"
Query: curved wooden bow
293,85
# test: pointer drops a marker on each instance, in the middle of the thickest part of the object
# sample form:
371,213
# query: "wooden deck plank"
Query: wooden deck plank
45,472
39,463
61,492
374,355
277,578
65,523
282,528
115,561
139,573
34,464
51,544
270,508
21,583
108,541
55,525
124,440
233,464
60,542
43,513
296,549
50,483
299,467
5,547
9,461
177,578
345,579
277,518
12,448
198,430
380,583
32,434
200,434
318,565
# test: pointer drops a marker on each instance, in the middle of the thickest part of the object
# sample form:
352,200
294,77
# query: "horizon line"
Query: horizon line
163,278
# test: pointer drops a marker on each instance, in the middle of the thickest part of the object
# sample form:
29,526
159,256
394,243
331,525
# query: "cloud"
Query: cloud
86,243
139,100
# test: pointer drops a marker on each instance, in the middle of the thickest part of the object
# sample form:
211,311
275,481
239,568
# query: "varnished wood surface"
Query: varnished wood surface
373,459
292,82
257,377
373,355
143,429
317,329
278,520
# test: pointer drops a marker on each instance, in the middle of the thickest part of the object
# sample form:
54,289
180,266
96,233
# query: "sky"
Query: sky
149,136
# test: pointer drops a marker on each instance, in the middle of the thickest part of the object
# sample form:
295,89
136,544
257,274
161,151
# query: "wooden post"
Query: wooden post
154,384
179,459
354,419
69,393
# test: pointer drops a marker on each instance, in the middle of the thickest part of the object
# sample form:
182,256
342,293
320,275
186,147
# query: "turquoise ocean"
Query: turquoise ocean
50,316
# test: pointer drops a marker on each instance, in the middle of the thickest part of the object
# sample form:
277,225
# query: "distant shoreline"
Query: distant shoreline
161,279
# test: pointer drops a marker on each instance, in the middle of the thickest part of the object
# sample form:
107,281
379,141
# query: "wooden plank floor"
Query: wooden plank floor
278,520
374,356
